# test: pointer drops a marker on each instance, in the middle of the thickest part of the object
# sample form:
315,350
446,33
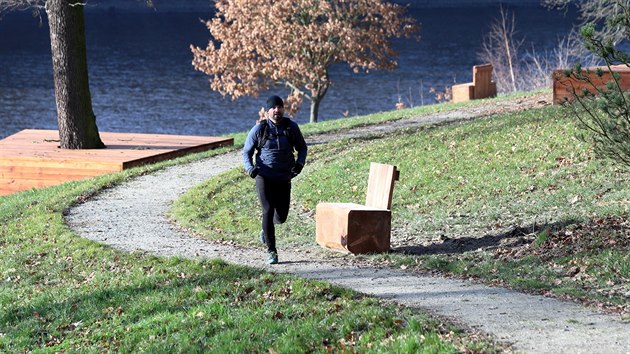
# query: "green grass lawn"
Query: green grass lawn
62,293
514,200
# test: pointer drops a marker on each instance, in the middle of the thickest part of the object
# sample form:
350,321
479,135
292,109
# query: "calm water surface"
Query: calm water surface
142,80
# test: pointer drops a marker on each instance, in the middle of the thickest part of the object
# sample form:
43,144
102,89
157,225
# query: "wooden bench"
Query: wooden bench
357,228
565,88
481,87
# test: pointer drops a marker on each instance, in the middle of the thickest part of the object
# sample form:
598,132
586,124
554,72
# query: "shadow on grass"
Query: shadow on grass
516,236
151,299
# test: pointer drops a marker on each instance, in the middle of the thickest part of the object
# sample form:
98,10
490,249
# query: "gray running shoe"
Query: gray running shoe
272,258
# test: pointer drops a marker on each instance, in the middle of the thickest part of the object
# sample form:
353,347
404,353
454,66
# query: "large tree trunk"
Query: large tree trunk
75,117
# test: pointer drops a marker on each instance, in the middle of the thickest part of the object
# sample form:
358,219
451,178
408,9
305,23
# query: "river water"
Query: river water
142,80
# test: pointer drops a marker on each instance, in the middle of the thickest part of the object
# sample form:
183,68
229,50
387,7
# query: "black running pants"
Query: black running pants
274,197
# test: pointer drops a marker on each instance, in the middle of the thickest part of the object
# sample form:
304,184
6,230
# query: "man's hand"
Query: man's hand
296,169
253,172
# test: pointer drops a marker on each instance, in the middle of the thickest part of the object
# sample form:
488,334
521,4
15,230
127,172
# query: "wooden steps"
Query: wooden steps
32,158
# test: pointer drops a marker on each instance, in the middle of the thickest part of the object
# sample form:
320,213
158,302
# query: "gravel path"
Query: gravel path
132,217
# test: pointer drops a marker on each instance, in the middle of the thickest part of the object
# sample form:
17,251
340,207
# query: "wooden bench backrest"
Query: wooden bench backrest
482,79
381,185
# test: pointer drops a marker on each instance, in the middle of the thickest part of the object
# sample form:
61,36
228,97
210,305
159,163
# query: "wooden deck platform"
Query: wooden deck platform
33,159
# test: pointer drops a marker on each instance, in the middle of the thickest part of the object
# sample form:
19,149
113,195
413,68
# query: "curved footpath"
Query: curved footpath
132,217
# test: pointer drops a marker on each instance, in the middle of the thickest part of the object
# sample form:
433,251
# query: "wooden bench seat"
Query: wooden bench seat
357,228
481,87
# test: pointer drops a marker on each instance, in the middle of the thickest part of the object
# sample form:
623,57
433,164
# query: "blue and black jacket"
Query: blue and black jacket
274,146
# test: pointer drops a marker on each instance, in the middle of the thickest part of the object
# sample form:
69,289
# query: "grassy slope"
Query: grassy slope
514,200
59,292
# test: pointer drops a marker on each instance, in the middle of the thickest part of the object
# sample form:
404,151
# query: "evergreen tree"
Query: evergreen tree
604,110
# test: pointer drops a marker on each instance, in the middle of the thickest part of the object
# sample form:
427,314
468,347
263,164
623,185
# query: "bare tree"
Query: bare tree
607,16
537,66
516,69
500,49
257,44
18,5
75,117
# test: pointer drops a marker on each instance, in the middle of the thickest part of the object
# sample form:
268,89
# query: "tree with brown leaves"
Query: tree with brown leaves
259,44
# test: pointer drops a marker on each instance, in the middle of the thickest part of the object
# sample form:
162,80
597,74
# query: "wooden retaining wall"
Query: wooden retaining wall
564,87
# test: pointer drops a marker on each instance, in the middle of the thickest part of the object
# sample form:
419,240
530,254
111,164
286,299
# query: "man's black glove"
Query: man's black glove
253,172
296,169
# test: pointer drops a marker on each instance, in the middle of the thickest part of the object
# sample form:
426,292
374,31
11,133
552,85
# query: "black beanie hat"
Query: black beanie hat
274,101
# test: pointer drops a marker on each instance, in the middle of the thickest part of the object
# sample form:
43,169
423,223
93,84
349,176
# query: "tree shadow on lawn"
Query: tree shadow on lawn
516,236
101,304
